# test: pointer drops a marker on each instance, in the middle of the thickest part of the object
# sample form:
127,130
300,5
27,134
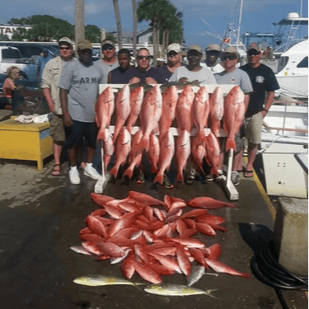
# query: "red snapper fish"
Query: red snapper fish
213,153
167,147
183,149
169,102
198,151
200,110
184,109
234,109
104,109
153,152
216,110
122,109
123,146
135,156
108,147
136,100
208,203
150,114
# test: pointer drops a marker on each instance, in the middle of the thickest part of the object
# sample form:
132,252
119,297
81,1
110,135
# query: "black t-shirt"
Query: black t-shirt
135,72
117,76
263,80
165,74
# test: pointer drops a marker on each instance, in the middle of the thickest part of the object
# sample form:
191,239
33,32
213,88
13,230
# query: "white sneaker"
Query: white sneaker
91,172
74,177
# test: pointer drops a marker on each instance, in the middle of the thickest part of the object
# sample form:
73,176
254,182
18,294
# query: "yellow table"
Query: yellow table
25,141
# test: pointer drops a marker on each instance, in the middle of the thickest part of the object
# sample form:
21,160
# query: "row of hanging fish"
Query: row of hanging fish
156,112
152,237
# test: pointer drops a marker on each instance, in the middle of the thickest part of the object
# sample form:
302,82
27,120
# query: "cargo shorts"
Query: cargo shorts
56,128
253,126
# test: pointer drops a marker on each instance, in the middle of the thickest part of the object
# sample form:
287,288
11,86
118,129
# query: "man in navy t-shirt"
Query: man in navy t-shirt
116,76
264,84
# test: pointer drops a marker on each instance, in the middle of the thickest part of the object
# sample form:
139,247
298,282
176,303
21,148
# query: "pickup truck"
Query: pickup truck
11,56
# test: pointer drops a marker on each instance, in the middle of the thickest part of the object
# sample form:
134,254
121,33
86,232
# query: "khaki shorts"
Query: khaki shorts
253,127
56,128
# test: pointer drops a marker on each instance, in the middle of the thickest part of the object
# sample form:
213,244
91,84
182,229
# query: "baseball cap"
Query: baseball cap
174,47
255,46
195,47
107,41
65,40
84,44
215,47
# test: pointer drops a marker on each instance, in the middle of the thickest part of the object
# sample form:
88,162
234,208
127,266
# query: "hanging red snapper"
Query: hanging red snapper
216,110
136,100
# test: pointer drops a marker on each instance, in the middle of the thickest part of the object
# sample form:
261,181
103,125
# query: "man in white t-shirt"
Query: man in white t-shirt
212,56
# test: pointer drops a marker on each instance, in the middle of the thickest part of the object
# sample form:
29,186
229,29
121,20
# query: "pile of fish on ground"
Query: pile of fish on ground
156,112
152,237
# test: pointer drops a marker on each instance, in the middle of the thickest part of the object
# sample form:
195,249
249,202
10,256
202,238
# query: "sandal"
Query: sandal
248,174
56,170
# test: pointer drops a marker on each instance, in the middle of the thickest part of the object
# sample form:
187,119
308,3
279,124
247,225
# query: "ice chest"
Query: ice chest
29,141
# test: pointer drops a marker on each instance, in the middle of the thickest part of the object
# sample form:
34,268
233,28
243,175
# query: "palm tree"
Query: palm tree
118,22
134,27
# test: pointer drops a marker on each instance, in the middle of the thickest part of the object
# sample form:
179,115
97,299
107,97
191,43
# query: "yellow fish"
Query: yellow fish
99,280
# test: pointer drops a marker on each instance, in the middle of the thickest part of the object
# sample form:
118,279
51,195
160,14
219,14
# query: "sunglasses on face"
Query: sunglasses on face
252,52
228,56
212,53
64,48
143,57
172,54
107,47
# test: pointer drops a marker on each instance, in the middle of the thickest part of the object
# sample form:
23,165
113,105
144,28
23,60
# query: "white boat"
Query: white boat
284,150
293,77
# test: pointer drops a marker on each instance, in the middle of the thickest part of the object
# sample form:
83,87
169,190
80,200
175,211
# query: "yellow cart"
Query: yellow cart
29,141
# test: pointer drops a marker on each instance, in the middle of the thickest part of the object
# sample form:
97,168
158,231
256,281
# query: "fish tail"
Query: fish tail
208,293
230,144
144,143
129,172
159,178
154,169
114,171
179,177
214,171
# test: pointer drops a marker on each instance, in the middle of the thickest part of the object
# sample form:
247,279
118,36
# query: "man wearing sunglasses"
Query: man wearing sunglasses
51,92
109,61
264,85
173,63
235,76
212,56
142,73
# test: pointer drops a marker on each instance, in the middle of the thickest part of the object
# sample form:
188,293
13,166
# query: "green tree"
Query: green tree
4,37
20,34
93,33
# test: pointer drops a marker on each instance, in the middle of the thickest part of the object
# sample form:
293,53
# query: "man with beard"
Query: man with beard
79,88
116,76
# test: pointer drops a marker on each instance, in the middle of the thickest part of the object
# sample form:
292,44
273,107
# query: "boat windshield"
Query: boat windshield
282,63
303,63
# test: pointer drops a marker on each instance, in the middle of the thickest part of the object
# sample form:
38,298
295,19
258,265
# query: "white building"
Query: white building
9,30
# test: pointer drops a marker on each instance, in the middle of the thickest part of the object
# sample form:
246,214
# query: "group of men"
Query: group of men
71,88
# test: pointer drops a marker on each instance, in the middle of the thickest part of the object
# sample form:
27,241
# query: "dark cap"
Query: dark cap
196,47
84,44
215,47
254,46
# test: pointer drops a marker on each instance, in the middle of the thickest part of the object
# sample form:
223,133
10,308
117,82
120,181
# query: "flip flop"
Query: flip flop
248,174
56,170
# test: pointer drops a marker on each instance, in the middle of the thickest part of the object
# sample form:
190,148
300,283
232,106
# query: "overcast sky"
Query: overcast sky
200,16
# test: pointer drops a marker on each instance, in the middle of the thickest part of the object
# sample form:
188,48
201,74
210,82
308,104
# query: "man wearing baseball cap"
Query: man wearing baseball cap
264,84
193,71
51,92
235,76
212,55
109,61
79,89
173,62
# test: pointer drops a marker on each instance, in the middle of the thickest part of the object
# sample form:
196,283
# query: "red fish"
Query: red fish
96,226
127,267
216,110
167,261
169,102
144,198
184,109
167,147
213,153
108,146
183,149
150,114
220,267
135,156
123,147
205,229
183,262
153,152
122,109
233,115
104,109
198,151
136,100
100,199
147,273
200,110
208,203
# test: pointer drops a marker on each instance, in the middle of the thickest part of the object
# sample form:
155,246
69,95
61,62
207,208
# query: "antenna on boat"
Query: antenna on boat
239,20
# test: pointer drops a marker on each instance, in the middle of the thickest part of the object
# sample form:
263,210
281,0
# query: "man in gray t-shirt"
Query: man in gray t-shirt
235,76
79,89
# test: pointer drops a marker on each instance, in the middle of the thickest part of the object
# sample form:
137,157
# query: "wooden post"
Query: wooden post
79,22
